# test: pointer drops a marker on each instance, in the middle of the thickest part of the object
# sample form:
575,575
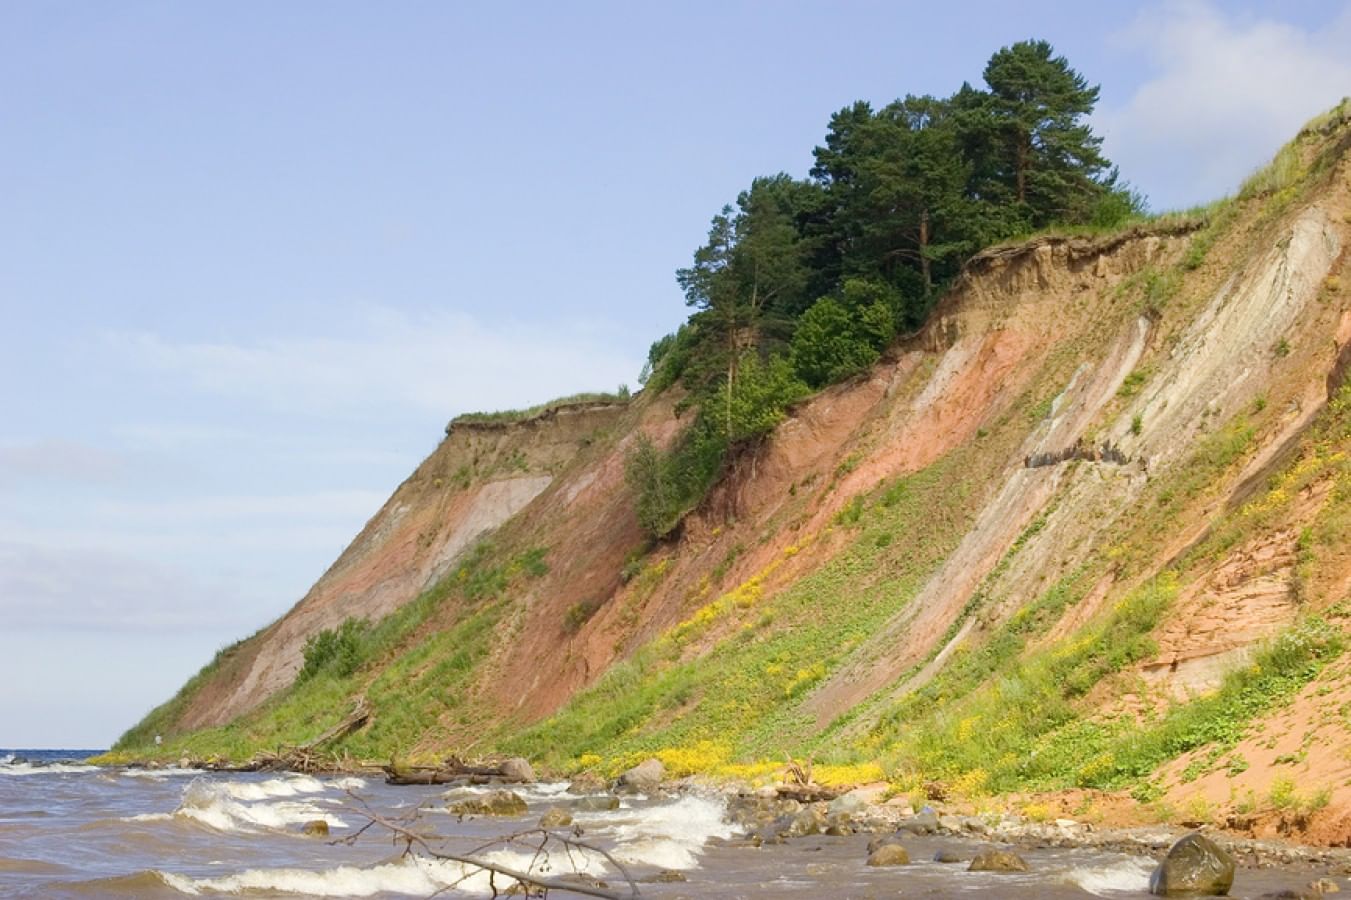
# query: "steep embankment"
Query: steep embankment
1089,528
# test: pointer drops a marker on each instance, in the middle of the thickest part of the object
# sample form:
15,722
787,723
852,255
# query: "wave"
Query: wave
1126,875
29,866
669,835
160,774
12,765
413,875
221,804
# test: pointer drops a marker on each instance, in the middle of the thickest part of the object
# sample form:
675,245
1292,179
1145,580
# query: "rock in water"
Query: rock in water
808,821
923,822
315,828
517,771
598,804
948,856
643,778
1194,865
995,860
495,803
555,818
889,855
849,804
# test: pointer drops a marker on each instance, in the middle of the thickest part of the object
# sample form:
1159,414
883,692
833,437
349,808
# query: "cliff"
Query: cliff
1104,483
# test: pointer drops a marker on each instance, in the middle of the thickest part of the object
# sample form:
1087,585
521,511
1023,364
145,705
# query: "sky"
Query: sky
253,256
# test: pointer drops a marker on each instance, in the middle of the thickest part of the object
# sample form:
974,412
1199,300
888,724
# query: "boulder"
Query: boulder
494,803
889,855
850,804
992,859
601,803
810,819
644,778
1194,865
948,856
923,822
838,824
315,828
517,771
882,841
555,818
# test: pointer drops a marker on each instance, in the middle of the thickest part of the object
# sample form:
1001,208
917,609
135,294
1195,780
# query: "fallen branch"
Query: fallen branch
569,843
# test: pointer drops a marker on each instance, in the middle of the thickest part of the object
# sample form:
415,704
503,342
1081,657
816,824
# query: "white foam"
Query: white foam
273,787
668,835
413,875
350,783
9,767
1127,875
147,817
219,805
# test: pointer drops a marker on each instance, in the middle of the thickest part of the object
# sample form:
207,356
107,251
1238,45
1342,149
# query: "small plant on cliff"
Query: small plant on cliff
340,650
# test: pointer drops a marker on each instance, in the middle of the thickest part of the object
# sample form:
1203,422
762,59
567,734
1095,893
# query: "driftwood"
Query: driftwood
800,786
808,793
539,840
307,757
453,771
359,716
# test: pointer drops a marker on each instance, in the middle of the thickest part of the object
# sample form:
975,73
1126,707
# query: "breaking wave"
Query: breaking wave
413,875
668,835
1119,877
223,806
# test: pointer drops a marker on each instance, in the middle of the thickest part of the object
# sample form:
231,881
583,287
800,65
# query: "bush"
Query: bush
756,402
339,651
838,338
579,614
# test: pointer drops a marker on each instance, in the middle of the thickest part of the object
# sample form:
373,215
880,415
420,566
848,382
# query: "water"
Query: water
69,830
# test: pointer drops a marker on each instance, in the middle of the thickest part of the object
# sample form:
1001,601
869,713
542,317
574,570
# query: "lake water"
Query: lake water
69,830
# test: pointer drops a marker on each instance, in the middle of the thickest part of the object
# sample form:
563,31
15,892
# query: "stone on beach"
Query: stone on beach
1194,865
889,855
992,859
494,803
643,778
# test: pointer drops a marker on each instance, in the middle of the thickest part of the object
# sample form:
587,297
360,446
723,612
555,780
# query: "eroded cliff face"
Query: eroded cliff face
479,477
1096,408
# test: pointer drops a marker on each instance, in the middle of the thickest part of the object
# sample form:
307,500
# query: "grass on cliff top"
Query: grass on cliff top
508,416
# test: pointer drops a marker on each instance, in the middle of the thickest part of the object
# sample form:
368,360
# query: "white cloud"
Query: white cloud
1226,92
43,587
434,365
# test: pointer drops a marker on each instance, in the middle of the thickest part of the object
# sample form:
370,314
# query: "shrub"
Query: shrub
836,338
579,614
339,651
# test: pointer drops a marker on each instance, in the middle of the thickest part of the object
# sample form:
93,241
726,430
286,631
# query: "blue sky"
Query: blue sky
254,255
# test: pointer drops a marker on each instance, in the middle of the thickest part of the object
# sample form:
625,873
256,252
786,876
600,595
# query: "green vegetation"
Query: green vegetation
412,666
164,718
732,676
804,282
338,650
509,416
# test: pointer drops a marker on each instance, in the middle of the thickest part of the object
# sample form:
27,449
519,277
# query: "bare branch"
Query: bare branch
402,833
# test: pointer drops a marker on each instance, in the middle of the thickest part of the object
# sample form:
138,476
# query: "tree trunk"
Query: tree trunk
923,251
1024,160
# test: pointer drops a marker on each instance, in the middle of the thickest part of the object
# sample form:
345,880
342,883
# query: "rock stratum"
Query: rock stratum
1102,493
